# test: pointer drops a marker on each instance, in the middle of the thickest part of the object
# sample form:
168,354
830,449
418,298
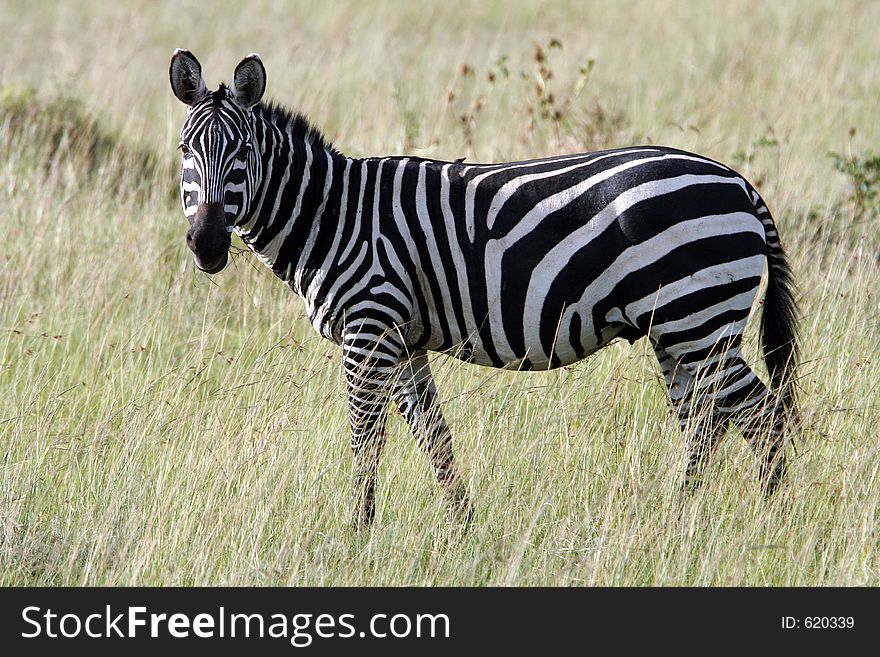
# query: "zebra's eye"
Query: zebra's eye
243,152
183,148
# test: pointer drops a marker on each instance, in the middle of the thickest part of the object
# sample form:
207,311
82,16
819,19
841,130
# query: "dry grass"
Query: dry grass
161,427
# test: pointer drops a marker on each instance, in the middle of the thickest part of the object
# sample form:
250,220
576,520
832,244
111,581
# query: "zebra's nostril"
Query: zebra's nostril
190,242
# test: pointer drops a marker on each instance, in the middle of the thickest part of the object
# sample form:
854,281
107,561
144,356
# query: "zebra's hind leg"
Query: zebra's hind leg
699,423
758,415
703,431
719,389
416,397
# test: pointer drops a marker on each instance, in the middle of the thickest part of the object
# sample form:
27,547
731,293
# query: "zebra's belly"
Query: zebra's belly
534,356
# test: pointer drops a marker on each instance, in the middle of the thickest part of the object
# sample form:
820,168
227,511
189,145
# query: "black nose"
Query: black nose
208,238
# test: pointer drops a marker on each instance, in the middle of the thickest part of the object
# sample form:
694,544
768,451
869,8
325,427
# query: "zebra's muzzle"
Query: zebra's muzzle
209,238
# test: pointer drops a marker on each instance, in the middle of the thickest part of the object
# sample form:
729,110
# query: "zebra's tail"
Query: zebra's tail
780,317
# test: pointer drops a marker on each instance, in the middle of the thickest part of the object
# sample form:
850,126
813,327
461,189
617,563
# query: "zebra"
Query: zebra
527,265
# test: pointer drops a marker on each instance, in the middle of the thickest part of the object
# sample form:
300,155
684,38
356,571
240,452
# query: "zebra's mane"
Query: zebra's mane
294,122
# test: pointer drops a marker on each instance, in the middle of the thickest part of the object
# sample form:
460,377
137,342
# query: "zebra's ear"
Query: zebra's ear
186,77
249,81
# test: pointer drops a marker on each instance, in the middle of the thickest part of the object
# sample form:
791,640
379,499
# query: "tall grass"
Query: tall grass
159,426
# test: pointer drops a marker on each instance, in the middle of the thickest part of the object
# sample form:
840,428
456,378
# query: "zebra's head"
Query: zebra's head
221,166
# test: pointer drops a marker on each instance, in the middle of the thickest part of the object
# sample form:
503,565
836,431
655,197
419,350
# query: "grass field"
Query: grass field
159,426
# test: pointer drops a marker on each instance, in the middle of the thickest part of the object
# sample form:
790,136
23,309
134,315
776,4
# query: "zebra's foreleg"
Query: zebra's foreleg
416,397
370,360
366,467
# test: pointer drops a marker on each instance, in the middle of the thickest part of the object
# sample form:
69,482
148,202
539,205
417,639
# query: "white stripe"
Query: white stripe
357,215
436,265
741,301
709,277
449,221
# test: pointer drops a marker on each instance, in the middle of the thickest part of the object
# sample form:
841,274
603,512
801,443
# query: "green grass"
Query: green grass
159,426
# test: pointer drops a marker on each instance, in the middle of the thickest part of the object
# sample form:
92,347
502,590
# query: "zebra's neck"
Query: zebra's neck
295,207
